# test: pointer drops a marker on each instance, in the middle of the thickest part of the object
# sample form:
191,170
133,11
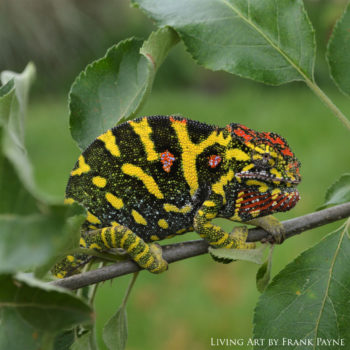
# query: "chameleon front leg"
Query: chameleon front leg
214,234
146,255
272,225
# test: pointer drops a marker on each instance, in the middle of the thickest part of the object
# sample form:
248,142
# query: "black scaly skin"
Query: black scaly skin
155,177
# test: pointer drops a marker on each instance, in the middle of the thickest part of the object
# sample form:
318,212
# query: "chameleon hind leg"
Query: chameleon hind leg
146,255
215,235
71,265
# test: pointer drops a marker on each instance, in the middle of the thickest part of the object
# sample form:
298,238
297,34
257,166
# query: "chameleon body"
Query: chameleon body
155,177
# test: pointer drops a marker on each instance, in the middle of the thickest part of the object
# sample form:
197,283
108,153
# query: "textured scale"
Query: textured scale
154,177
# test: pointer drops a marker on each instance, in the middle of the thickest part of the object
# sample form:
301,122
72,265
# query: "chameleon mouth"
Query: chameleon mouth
265,176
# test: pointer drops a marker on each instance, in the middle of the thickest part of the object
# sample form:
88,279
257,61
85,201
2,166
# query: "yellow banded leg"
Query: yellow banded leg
214,234
146,255
70,265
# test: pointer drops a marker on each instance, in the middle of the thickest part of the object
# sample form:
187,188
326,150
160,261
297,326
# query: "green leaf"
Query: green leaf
6,92
266,40
264,273
32,312
86,342
113,88
14,125
64,340
42,305
19,192
309,299
338,192
16,333
115,332
338,52
34,240
252,255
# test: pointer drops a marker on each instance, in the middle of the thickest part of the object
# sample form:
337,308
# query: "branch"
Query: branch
180,251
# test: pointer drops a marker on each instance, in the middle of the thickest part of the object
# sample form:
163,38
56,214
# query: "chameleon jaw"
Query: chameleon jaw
265,176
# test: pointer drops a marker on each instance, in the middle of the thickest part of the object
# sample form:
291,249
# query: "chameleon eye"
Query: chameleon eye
262,160
266,157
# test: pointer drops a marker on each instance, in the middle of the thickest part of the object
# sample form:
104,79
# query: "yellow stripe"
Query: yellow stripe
113,237
82,242
173,208
82,167
148,181
163,224
133,245
143,253
110,143
154,238
218,187
183,230
262,186
94,245
124,238
221,240
149,262
92,218
99,181
275,193
237,154
248,167
274,171
114,201
229,245
69,201
70,258
138,217
143,129
209,204
191,150
103,236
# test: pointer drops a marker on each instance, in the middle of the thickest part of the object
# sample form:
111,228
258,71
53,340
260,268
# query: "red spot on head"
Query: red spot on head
249,131
181,121
228,128
275,139
287,152
167,159
214,161
241,133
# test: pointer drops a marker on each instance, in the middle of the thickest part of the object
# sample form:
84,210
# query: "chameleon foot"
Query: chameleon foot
273,227
239,235
156,262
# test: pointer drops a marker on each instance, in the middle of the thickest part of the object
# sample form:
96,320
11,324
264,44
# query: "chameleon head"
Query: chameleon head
266,173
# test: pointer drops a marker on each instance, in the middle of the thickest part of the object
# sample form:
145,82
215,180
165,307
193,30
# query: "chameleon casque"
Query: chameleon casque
155,177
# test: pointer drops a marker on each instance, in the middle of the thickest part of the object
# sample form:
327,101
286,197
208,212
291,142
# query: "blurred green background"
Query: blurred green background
196,299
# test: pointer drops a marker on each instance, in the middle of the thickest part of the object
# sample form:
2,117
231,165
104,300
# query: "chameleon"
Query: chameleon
155,177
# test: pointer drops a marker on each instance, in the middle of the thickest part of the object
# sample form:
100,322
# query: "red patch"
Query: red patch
241,133
250,131
214,161
181,121
274,140
287,152
167,160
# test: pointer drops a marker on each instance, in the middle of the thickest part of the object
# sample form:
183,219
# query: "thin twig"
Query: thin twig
180,251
